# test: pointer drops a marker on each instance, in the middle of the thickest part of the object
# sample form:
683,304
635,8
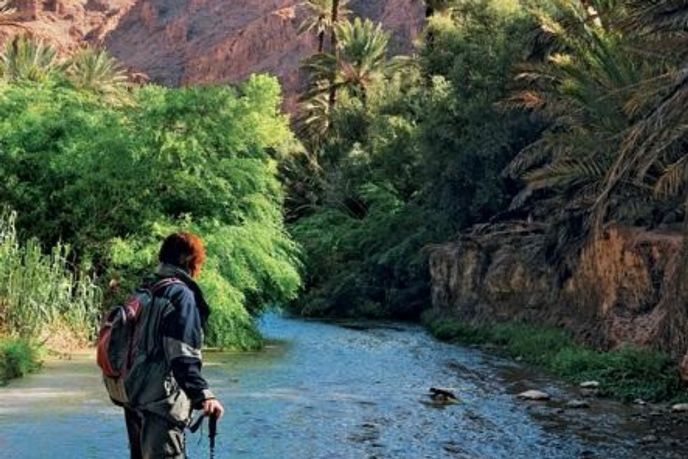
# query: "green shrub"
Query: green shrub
628,373
625,374
112,180
17,358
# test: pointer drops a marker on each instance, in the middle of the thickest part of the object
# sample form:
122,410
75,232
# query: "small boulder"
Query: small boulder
649,439
535,395
590,385
577,404
590,392
639,401
680,408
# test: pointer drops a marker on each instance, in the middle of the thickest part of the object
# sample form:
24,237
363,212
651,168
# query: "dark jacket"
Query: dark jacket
168,380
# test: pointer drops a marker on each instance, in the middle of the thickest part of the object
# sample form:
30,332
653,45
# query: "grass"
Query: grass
625,374
17,358
42,292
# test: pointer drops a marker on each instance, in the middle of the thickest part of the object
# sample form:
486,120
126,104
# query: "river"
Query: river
356,390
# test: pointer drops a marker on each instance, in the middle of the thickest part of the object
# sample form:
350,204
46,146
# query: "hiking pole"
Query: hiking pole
212,432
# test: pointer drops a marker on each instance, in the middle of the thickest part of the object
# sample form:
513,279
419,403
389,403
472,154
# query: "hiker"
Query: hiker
157,378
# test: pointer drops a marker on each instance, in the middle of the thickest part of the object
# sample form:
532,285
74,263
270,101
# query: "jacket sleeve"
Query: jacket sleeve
182,336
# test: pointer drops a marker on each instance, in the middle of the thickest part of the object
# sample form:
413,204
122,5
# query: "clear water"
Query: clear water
335,391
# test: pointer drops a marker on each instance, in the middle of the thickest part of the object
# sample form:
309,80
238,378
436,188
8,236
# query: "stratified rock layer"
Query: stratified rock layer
625,288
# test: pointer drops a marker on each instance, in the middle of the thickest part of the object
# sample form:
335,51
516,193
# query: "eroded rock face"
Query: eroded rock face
66,24
177,42
624,290
206,41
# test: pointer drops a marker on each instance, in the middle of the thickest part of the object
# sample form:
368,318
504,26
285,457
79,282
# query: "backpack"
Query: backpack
118,340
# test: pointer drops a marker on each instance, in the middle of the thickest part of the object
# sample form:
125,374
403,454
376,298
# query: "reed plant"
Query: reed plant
41,292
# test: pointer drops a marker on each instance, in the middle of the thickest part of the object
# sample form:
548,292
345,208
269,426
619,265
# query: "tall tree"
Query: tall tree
359,62
335,50
320,16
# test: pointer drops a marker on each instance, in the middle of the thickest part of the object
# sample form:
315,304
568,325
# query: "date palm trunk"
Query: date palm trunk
321,42
335,49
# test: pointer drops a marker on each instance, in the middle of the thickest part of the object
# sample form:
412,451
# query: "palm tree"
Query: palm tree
583,85
361,60
335,49
436,6
96,71
656,141
313,118
320,18
28,59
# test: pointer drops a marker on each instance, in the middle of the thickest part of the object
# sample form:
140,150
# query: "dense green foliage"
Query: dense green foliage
17,358
565,114
113,179
412,153
626,374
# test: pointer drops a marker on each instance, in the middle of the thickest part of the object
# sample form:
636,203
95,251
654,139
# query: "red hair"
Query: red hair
183,250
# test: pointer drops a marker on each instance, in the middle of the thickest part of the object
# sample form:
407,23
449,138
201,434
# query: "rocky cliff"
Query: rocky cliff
625,288
178,42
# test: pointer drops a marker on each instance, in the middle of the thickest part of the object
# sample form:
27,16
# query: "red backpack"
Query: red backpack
119,337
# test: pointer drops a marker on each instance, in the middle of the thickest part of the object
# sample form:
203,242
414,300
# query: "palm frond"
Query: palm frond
96,71
673,179
28,60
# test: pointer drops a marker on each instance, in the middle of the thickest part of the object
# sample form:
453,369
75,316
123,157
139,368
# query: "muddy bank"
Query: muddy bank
624,289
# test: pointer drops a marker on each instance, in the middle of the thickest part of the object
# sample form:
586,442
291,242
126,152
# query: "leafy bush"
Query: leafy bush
112,180
371,266
17,358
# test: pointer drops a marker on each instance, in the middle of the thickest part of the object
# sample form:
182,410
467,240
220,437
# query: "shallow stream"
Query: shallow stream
345,390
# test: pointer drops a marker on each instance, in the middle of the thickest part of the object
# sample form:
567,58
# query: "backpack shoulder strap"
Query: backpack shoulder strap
163,283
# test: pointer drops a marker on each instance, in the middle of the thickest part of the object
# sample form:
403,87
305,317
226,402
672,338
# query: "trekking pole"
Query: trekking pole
212,432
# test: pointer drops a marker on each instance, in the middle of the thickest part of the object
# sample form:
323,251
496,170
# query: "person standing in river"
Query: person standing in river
169,379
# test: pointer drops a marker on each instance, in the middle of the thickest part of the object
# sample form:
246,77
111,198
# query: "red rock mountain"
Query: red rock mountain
177,42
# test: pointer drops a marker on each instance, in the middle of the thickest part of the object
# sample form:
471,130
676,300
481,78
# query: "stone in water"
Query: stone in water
590,384
534,395
577,404
680,408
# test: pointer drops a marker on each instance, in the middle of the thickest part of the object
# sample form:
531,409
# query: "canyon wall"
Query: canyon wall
625,288
179,42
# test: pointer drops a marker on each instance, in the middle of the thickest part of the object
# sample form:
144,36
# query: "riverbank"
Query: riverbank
18,357
627,374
